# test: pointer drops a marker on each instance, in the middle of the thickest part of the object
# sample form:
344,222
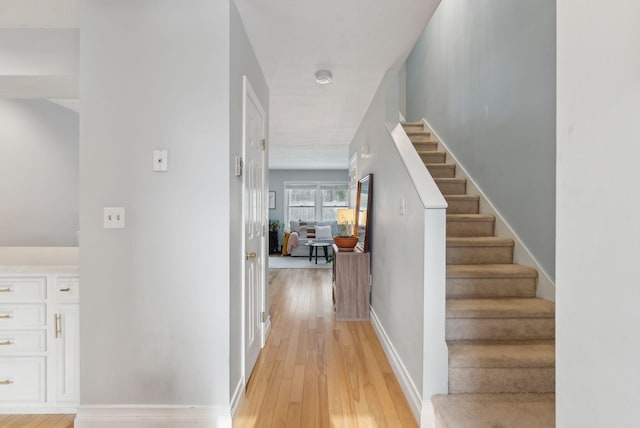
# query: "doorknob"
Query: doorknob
251,255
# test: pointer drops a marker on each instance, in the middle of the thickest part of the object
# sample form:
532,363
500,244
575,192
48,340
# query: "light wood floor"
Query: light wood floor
39,421
315,371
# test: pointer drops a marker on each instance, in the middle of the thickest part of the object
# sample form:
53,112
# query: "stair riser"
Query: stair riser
413,128
442,171
435,157
452,188
427,146
479,255
470,228
500,328
463,207
491,287
501,380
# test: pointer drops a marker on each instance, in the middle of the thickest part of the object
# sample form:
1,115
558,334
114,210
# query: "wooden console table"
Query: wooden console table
351,284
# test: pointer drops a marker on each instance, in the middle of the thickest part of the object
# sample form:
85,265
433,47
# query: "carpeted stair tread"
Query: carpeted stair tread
495,410
441,170
491,271
414,133
479,241
469,217
502,354
500,308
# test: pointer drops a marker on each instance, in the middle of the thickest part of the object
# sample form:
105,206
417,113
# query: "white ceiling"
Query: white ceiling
311,126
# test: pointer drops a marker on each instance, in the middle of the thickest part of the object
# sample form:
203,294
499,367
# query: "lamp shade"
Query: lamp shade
346,216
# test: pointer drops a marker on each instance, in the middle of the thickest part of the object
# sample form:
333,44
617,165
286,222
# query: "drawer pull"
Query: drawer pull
6,290
64,290
5,316
6,382
58,320
6,342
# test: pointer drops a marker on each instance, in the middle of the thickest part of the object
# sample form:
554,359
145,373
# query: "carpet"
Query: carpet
287,262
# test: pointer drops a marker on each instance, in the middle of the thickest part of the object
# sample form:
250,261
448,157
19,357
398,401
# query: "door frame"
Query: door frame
247,91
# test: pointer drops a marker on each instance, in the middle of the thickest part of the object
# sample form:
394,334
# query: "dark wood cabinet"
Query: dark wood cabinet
351,284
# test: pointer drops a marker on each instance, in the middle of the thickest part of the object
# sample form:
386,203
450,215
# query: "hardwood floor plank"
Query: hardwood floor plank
316,372
37,421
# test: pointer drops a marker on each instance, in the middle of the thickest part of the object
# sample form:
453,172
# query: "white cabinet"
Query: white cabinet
39,331
67,352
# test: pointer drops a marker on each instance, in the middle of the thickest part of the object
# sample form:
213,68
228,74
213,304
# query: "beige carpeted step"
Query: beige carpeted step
479,250
470,225
425,146
495,410
500,319
413,126
431,157
499,366
441,170
508,280
419,136
462,204
451,186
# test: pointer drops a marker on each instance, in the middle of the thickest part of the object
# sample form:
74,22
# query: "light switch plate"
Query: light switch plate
114,217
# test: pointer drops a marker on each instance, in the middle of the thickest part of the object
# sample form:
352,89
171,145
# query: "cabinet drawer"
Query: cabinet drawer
12,341
22,288
22,379
22,315
67,288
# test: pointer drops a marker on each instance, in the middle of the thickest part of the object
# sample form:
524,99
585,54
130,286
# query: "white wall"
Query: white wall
38,174
598,236
243,62
155,298
35,52
483,75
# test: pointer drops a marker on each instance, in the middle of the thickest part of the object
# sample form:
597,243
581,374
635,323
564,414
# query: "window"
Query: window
314,201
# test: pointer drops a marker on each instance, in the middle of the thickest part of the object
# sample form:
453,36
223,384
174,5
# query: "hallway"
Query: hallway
316,372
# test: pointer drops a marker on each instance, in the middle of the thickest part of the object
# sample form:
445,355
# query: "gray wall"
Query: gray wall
243,62
397,258
38,174
483,75
155,298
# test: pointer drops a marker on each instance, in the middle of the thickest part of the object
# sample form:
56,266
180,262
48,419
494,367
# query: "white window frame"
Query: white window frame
318,202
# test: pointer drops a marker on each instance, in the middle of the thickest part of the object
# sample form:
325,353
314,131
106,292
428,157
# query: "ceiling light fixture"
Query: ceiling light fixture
324,77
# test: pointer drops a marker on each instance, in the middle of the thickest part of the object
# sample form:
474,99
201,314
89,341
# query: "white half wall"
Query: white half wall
598,236
38,174
155,298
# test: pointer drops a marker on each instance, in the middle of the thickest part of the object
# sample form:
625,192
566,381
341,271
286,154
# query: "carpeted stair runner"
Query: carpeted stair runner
501,338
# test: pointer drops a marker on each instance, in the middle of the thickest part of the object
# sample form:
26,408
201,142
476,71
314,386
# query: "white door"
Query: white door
255,221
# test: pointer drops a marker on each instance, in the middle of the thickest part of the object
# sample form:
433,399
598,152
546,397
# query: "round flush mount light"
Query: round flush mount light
324,77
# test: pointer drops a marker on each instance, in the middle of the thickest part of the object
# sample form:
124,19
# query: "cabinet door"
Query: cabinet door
67,352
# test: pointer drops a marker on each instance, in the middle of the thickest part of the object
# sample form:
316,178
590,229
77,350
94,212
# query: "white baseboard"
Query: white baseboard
238,397
146,416
521,254
411,393
428,419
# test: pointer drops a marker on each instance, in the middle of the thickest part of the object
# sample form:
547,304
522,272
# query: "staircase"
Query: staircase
501,338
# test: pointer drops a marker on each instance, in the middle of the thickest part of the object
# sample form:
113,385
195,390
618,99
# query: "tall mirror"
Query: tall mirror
363,208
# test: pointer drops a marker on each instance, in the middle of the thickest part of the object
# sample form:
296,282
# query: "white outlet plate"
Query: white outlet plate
160,160
114,217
